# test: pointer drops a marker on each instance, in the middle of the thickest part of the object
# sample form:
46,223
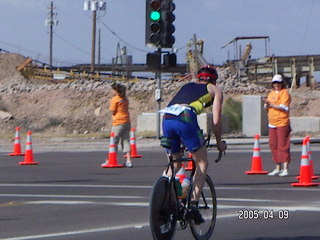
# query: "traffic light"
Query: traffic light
153,22
159,23
167,27
154,60
170,60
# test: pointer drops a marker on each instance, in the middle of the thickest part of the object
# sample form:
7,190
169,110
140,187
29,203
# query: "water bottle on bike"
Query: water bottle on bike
185,187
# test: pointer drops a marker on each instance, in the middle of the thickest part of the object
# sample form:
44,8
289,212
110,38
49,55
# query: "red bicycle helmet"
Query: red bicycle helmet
207,73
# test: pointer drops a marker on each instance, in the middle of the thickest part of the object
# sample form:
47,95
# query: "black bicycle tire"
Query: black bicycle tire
195,228
162,207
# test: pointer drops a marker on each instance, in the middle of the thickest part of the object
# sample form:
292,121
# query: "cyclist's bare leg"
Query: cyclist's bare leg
177,166
199,178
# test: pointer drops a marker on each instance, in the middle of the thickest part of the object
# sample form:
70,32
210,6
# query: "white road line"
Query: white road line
289,205
249,200
85,231
128,204
136,197
70,196
146,224
308,208
150,187
313,207
270,189
72,185
94,230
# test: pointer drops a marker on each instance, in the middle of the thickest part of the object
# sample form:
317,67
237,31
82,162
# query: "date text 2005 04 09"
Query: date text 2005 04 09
252,214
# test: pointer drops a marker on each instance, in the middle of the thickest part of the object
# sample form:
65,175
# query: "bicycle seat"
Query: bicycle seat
165,142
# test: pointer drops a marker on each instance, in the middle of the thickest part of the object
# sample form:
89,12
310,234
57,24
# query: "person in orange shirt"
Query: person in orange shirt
277,106
119,107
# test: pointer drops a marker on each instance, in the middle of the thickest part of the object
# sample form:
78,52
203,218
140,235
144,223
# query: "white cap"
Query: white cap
277,78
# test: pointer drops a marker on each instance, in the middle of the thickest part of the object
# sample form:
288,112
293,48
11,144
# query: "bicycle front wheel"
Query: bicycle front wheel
208,210
163,210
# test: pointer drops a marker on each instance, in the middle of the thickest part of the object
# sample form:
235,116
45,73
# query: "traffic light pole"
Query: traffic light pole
159,30
158,99
154,62
158,96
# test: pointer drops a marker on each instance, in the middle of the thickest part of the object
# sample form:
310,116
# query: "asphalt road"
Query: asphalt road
68,196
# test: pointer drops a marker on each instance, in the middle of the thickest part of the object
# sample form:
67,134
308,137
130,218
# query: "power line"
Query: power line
19,49
120,39
70,44
125,42
128,44
307,25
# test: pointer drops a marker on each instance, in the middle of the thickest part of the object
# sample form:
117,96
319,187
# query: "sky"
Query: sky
292,27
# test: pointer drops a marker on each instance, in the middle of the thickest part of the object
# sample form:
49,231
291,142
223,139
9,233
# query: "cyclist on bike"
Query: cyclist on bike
180,124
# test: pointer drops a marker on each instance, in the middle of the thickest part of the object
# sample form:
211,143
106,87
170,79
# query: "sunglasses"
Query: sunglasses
206,76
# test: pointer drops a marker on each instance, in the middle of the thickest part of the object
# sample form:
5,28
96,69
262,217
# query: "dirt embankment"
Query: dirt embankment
82,106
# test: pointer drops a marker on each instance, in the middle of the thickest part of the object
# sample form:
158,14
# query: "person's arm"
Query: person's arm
280,107
217,95
283,106
113,106
266,104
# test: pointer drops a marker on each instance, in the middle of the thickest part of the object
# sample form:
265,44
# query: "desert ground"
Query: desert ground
81,107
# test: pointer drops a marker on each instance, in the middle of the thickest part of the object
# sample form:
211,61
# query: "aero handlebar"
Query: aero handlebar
215,145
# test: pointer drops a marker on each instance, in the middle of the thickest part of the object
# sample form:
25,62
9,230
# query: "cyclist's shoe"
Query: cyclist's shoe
195,215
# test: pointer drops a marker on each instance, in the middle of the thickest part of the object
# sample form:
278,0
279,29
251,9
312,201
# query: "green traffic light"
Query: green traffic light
155,15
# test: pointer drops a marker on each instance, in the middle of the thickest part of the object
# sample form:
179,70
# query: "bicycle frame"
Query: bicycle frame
183,203
167,208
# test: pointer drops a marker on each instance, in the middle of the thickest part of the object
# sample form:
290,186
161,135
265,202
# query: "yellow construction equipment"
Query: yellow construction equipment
195,58
24,64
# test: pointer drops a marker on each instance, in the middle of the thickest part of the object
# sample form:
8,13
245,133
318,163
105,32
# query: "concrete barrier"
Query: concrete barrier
305,124
254,116
147,123
255,119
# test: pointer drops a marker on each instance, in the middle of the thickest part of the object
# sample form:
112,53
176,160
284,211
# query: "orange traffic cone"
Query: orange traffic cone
28,159
190,165
305,173
310,159
181,174
112,161
17,146
133,146
256,162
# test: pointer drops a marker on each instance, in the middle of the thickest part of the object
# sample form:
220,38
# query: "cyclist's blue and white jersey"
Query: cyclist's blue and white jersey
180,118
194,95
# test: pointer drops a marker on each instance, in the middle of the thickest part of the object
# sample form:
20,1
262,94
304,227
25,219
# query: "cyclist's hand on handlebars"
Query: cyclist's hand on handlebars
222,146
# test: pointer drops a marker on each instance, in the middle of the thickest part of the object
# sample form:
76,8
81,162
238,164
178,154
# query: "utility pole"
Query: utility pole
51,21
94,6
99,47
93,45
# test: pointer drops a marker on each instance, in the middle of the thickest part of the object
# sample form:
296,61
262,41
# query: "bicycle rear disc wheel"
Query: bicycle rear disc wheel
163,210
208,210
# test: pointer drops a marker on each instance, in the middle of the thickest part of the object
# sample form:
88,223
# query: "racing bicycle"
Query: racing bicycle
168,211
